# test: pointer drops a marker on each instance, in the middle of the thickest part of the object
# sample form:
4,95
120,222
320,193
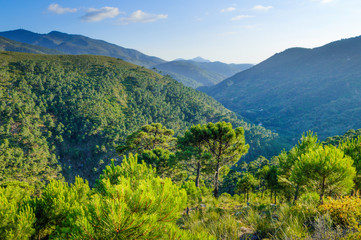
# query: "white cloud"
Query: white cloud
230,9
141,17
262,8
56,8
326,1
239,17
95,15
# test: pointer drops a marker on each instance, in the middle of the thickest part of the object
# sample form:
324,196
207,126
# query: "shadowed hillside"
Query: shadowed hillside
14,46
78,44
300,89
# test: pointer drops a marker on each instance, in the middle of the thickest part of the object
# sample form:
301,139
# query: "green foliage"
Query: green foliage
192,152
135,204
133,210
148,137
71,111
257,164
132,203
226,145
229,182
327,169
16,215
246,184
194,193
25,135
130,168
161,159
352,148
349,135
59,206
287,160
308,142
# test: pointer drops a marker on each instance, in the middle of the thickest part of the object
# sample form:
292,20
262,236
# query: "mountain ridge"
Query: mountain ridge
197,74
11,45
299,89
79,44
193,74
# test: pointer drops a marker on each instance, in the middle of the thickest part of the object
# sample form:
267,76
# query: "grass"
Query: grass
231,218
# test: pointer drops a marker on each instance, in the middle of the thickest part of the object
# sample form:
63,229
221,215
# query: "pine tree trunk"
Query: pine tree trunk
296,194
275,197
215,192
322,190
198,173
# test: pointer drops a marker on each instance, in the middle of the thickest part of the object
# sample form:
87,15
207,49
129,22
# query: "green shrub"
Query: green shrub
16,216
345,211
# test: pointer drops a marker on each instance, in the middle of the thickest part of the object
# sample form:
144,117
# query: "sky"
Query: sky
230,31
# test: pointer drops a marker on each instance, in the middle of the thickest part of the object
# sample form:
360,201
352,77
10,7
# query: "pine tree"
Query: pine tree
227,146
148,137
308,142
192,151
246,184
329,168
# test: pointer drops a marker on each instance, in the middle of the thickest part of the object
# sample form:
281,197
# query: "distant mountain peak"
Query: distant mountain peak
78,44
199,59
57,33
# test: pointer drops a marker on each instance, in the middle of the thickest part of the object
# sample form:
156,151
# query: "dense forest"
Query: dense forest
65,114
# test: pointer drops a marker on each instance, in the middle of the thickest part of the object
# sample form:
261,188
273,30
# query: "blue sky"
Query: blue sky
239,31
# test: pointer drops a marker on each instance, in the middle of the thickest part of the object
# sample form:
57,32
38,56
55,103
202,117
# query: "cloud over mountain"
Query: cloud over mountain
96,15
56,8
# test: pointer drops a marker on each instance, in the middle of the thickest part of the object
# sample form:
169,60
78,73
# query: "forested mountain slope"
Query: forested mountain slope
190,73
74,110
300,89
14,46
196,74
351,134
78,44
